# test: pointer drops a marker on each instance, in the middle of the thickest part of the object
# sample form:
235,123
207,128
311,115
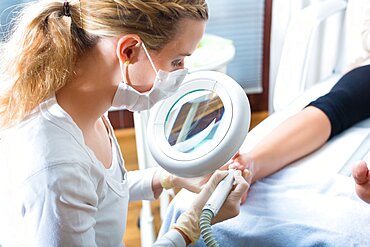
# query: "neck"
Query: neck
89,93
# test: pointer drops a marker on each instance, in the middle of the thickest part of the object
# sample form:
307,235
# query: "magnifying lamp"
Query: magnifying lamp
199,129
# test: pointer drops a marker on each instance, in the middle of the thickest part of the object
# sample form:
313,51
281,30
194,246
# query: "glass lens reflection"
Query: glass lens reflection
193,121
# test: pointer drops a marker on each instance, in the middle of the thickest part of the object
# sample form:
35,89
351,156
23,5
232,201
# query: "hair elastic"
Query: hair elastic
67,11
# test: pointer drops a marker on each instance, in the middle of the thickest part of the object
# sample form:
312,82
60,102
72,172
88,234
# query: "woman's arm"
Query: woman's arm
60,204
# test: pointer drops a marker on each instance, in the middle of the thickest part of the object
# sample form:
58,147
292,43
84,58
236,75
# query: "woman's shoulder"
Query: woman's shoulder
39,143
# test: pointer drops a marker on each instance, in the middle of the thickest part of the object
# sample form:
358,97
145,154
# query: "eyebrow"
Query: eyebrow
185,54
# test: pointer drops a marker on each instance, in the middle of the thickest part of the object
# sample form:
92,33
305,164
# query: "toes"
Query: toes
360,173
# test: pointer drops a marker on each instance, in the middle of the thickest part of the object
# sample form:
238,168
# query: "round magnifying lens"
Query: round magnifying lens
193,123
201,127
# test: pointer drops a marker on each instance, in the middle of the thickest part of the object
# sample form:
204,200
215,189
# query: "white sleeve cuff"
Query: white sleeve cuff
172,238
140,184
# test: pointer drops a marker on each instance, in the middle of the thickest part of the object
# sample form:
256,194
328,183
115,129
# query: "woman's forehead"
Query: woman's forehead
188,36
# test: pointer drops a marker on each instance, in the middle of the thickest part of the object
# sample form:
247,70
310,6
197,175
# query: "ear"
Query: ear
127,47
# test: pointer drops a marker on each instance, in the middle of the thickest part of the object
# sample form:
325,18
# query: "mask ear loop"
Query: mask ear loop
154,68
150,59
124,71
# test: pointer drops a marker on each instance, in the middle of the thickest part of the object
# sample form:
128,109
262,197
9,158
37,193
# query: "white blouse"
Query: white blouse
55,192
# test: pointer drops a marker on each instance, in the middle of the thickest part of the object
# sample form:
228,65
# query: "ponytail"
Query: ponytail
39,57
42,52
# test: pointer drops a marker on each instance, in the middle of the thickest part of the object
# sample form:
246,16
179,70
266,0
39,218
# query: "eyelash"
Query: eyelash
177,63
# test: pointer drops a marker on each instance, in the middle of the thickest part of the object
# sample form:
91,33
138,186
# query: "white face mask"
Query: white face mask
164,86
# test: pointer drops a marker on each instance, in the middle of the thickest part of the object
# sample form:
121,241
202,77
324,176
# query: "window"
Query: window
243,22
8,9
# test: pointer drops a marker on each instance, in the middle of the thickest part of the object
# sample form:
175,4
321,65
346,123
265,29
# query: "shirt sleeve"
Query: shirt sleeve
348,102
171,239
60,206
140,184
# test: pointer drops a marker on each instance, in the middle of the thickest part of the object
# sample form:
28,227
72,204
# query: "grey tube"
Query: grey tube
205,228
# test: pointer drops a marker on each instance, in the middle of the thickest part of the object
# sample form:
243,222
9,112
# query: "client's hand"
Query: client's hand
168,181
188,222
360,173
245,164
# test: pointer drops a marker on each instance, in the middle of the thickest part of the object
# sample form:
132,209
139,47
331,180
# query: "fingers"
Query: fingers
192,184
243,161
231,161
208,189
201,186
204,180
241,184
231,206
240,189
363,192
247,175
215,179
238,165
244,198
194,189
234,165
226,166
235,155
360,173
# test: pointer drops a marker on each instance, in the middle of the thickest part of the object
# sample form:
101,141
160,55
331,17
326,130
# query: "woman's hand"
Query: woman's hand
188,223
168,181
360,173
245,164
231,206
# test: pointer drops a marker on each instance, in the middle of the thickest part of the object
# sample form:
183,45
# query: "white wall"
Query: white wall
325,52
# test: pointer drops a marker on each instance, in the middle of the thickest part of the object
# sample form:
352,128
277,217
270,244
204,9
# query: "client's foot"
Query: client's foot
360,173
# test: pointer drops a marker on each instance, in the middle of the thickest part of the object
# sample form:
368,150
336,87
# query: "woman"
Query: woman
65,65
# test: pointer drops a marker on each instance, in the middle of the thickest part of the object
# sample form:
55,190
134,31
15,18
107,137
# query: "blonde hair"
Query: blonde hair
45,45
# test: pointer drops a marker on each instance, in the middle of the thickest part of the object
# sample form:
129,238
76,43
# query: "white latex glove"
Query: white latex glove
188,222
243,163
169,181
